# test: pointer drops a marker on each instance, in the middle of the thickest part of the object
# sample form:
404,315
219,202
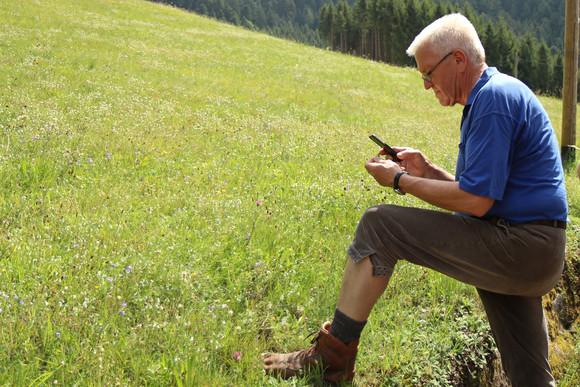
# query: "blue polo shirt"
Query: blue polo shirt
509,152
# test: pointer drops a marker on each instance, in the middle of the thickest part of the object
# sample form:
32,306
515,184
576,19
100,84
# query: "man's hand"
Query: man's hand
413,162
417,164
383,171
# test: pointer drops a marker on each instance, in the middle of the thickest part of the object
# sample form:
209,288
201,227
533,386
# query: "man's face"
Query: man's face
438,74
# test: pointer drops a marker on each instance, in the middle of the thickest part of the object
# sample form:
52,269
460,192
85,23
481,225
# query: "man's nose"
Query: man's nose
427,84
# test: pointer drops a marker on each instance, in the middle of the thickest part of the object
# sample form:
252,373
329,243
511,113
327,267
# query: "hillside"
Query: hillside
299,20
380,30
177,195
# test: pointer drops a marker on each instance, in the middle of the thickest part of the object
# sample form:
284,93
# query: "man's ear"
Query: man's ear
460,60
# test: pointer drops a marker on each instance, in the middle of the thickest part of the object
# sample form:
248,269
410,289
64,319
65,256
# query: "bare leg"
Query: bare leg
358,294
360,290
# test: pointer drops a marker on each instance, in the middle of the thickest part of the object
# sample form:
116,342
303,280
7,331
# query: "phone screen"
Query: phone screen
387,148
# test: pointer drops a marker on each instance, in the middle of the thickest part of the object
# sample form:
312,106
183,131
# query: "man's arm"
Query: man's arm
446,195
428,183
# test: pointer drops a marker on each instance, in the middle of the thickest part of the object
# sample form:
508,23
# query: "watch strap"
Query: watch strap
396,182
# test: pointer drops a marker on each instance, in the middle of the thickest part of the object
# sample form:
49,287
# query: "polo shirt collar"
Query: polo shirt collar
487,74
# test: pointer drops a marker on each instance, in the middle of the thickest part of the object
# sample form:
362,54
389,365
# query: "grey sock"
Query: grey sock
345,328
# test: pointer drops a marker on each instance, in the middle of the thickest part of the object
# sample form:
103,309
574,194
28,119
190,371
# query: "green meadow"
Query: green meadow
177,196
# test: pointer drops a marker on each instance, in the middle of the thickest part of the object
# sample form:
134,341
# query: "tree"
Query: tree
492,45
394,33
499,43
361,18
286,8
557,76
375,17
544,68
328,23
441,9
344,23
528,59
412,21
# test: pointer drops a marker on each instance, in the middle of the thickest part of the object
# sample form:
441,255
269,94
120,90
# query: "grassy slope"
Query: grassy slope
175,190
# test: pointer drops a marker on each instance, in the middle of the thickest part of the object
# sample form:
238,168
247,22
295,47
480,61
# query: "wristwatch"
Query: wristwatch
396,182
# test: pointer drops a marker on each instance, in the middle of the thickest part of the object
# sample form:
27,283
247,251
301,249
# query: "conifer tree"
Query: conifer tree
527,63
544,69
361,19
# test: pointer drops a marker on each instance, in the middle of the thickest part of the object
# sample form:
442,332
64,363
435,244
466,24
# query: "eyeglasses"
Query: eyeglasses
427,77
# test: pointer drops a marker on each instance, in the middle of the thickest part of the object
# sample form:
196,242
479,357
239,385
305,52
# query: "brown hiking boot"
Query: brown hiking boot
335,358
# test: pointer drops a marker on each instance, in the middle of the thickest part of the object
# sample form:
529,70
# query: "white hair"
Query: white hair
450,32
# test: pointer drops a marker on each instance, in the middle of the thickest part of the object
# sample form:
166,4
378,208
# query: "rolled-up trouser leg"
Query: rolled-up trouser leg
519,328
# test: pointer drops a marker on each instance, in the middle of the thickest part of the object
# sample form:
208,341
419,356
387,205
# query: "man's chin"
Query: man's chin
444,100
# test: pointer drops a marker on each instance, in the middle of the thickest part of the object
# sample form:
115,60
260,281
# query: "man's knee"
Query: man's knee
378,213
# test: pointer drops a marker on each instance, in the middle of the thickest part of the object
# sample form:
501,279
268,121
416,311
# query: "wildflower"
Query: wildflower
259,203
248,236
122,313
128,269
124,304
57,334
237,356
90,160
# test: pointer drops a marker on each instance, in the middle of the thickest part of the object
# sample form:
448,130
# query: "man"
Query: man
506,236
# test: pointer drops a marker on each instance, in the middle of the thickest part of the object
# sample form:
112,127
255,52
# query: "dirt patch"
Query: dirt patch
562,308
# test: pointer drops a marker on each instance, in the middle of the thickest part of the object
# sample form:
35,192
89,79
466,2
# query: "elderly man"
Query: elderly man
506,235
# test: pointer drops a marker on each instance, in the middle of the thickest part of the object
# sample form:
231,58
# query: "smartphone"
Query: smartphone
387,148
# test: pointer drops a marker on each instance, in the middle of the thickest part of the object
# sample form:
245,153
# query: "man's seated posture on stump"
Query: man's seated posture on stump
506,236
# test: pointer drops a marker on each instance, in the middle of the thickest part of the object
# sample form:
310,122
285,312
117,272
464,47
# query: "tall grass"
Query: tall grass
177,195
